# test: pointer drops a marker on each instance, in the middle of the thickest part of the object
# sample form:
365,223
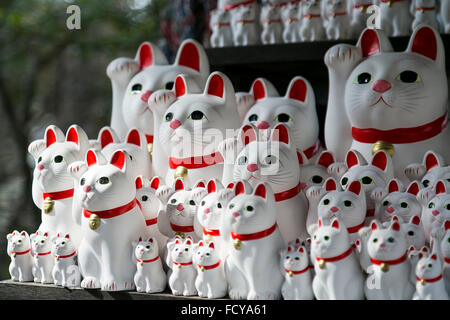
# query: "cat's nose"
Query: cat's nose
175,124
87,188
390,209
263,125
334,209
207,211
435,212
40,167
146,95
252,167
381,86
235,214
382,245
180,207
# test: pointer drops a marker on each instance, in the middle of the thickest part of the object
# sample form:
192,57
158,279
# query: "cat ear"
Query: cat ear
213,185
395,226
200,184
381,160
91,158
395,218
179,184
413,188
53,134
211,245
151,240
192,55
320,223
239,188
355,187
149,55
374,225
302,158
154,183
301,250
447,225
261,191
426,42
335,224
299,89
248,134
67,236
36,148
180,86
215,85
118,160
188,241
289,249
440,187
107,136
393,186
326,158
200,243
280,133
134,137
434,256
432,160
139,182
77,135
330,184
415,220
354,158
263,88
373,41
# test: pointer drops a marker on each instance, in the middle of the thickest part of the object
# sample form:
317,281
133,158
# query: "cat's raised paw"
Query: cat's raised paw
121,69
343,57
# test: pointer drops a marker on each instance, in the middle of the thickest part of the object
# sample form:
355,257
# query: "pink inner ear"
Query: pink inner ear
239,188
289,249
413,188
248,135
145,56
393,186
447,225
434,256
177,241
216,86
380,160
72,136
431,161
298,90
23,233
200,244
351,159
179,185
67,236
355,187
370,44
420,255
425,43
396,226
373,226
46,234
258,89
91,158
139,183
190,57
211,186
150,240
320,223
325,159
134,138
230,185
395,218
440,187
180,87
106,138
300,249
155,183
416,220
188,242
50,137
201,184
335,224
118,159
211,245
281,135
330,185
261,191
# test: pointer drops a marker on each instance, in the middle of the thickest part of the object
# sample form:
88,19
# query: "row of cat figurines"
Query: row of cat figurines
375,96
245,23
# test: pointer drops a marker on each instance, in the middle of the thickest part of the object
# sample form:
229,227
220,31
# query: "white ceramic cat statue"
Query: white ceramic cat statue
210,282
275,162
395,17
359,16
424,13
444,12
19,249
444,247
389,275
53,187
315,174
297,275
150,276
134,80
338,274
272,25
432,169
254,242
311,28
220,26
338,20
110,220
65,271
43,259
183,272
291,17
244,23
430,283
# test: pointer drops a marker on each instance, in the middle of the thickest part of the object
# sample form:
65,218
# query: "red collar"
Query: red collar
290,20
363,6
111,213
269,21
203,268
245,21
285,195
196,162
423,280
310,152
447,260
182,263
423,9
20,253
254,236
148,261
309,16
149,138
401,135
337,14
151,222
222,24
178,228
390,2
355,228
66,256
390,262
292,272
234,6
59,195
283,4
42,253
337,258
214,233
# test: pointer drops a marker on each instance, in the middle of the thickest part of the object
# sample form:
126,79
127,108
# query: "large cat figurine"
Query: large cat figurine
134,80
53,186
19,249
43,260
110,220
315,174
65,272
384,98
183,273
254,241
150,276
431,170
444,12
430,284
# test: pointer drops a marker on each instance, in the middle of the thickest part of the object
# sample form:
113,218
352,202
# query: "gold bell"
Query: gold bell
57,258
208,238
180,234
423,282
202,268
141,263
384,267
48,205
382,145
181,172
389,4
94,222
13,255
150,150
237,244
180,266
291,274
322,264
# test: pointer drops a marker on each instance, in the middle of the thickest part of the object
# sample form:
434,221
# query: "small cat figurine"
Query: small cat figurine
183,273
65,271
150,276
210,213
275,162
338,274
297,275
389,276
444,12
220,26
359,16
181,209
43,259
395,17
254,242
424,13
19,250
210,282
315,174
414,232
430,283
349,206
272,25
244,23
110,220
296,110
444,246
338,20
134,80
432,169
311,28
53,187
291,16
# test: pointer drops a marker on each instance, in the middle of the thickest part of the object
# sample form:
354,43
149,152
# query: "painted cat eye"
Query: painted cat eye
147,247
447,206
283,117
203,203
404,205
39,159
326,202
173,201
168,85
347,203
63,243
448,239
144,198
192,202
169,116
231,206
408,77
317,179
385,203
344,181
390,239
42,241
82,181
207,254
219,205
242,160
411,233
287,257
375,240
326,238
367,180
197,115
249,208
103,180
187,249
270,159
430,265
136,88
297,258
253,117
431,205
426,183
363,78
58,159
